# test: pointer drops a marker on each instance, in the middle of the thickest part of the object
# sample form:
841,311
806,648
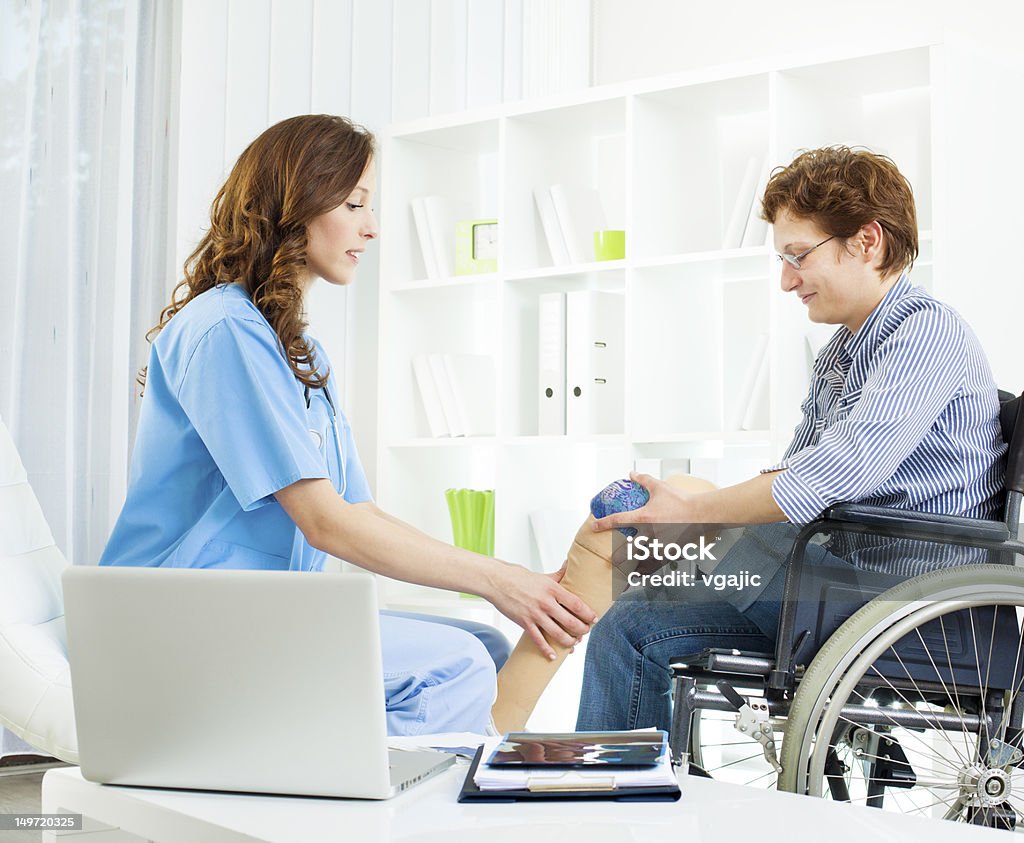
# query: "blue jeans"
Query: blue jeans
627,680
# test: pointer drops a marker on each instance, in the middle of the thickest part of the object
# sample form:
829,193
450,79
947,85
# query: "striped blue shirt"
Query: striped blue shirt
904,413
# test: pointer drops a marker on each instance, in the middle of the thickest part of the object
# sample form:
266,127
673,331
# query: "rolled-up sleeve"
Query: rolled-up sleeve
913,376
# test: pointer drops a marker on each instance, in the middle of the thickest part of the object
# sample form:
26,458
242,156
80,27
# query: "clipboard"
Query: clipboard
471,793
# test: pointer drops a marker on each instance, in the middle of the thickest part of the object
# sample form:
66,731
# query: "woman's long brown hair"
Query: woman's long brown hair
296,170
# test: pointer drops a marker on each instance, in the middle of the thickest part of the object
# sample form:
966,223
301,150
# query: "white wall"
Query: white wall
650,37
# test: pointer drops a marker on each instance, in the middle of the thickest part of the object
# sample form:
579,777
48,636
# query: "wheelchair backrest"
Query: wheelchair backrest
1010,412
954,648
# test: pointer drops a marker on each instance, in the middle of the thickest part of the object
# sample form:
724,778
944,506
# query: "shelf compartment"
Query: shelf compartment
690,157
459,164
414,481
520,330
880,102
582,146
561,477
435,320
674,333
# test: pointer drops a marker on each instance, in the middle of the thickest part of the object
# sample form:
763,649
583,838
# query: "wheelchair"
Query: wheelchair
910,701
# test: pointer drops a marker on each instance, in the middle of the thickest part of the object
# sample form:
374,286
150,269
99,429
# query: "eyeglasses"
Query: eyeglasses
794,260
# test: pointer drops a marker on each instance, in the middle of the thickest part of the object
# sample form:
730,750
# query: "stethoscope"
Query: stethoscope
334,427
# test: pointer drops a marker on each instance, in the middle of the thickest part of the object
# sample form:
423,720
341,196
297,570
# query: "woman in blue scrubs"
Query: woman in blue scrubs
243,457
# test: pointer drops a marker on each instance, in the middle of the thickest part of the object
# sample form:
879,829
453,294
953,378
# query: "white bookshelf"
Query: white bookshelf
667,157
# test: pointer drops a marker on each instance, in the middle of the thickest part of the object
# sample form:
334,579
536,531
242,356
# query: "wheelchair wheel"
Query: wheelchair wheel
937,736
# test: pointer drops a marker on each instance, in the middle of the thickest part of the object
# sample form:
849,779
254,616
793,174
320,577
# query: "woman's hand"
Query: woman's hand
667,505
541,606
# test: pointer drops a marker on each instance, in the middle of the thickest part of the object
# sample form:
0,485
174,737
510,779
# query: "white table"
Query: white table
709,811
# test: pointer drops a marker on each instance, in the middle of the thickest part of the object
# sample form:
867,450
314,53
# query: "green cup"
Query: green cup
609,244
472,514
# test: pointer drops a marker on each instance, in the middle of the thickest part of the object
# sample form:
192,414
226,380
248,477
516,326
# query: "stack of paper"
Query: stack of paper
601,776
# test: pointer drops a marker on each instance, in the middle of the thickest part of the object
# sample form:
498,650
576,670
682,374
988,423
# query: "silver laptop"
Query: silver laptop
251,681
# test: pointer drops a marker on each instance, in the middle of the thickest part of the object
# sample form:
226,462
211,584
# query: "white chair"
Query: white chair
35,682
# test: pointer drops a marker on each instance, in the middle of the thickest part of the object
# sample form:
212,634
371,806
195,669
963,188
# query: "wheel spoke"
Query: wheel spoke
1014,687
916,688
938,673
981,684
935,755
737,761
923,714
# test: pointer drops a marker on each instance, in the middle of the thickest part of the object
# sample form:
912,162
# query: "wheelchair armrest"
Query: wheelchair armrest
897,522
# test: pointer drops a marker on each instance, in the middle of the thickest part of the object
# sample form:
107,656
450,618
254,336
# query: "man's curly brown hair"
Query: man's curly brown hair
296,170
842,189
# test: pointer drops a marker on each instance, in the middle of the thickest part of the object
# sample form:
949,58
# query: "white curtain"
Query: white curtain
85,95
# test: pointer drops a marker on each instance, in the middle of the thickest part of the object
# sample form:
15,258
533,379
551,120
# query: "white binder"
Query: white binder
551,364
594,368
446,392
552,228
579,215
472,381
436,420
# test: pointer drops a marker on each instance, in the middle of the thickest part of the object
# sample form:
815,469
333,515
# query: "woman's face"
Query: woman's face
335,240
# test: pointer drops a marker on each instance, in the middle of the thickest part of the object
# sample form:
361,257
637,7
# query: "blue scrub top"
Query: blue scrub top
223,426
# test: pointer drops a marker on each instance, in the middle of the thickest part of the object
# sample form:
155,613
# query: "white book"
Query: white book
756,231
552,230
429,396
733,237
756,416
442,232
747,383
579,216
472,379
445,391
594,354
551,364
426,238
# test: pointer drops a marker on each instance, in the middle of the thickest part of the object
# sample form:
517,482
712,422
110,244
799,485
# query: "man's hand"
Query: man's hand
542,607
666,506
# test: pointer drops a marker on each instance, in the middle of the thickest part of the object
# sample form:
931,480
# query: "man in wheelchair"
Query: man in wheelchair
913,703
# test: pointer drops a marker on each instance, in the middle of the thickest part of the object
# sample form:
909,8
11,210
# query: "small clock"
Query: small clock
476,247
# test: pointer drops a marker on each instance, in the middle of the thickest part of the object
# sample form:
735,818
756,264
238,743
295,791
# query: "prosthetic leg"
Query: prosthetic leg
589,576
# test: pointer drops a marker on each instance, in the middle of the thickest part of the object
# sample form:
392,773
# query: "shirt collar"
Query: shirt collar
877,316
